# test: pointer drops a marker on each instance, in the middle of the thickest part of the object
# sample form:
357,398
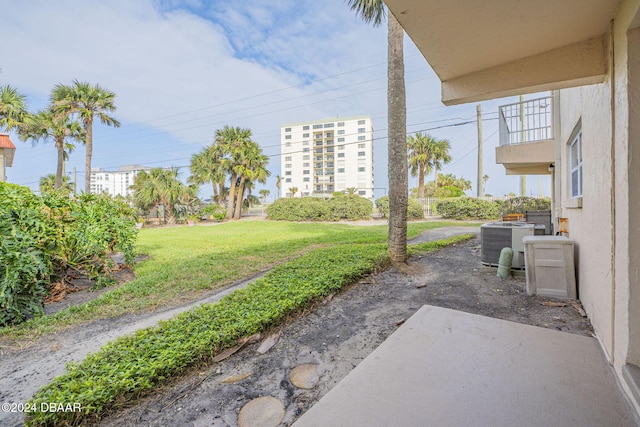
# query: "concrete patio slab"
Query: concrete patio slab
450,368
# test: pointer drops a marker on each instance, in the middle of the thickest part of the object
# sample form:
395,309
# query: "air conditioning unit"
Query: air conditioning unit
495,236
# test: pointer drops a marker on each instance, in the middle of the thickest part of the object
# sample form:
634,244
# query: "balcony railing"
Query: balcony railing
525,122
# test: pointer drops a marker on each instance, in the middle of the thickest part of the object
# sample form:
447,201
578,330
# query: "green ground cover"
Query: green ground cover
131,366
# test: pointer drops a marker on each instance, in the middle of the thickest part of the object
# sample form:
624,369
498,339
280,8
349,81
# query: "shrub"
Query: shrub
449,191
218,212
25,239
350,207
521,205
314,209
45,237
414,209
468,208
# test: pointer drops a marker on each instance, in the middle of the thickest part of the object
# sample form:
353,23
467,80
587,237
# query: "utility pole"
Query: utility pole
523,178
479,190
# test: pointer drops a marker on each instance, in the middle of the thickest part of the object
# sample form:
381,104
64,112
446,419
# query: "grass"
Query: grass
185,263
131,366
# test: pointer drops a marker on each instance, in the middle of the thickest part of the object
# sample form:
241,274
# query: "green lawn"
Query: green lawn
186,263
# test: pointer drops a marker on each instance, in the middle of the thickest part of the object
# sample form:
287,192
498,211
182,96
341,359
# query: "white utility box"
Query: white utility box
549,266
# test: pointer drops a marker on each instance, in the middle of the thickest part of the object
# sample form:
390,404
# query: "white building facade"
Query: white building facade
324,156
115,183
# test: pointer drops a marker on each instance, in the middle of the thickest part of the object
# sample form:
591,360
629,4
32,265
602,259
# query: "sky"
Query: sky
181,69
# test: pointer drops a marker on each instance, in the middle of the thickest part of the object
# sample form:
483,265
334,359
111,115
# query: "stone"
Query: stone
264,411
304,376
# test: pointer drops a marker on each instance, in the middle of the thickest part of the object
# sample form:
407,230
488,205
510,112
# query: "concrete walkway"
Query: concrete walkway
450,368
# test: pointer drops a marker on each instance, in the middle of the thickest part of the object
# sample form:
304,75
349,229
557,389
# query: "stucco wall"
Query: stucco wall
590,224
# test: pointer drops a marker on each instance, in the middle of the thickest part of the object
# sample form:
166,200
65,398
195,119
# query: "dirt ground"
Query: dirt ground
336,335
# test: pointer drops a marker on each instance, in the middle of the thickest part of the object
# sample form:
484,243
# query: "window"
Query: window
361,169
287,180
318,150
361,145
360,130
361,138
305,142
319,165
328,134
305,165
319,158
329,164
318,136
340,147
575,159
340,170
287,159
305,172
341,139
305,135
305,157
361,122
287,166
287,137
287,173
362,192
341,132
305,179
329,142
305,127
287,144
319,143
362,153
340,154
340,124
305,150
317,126
287,129
328,125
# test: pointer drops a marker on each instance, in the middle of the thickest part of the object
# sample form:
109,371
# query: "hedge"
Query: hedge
472,208
346,207
414,209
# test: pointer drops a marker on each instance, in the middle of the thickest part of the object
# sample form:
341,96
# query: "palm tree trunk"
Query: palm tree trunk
239,198
421,182
60,167
232,193
88,127
397,145
215,191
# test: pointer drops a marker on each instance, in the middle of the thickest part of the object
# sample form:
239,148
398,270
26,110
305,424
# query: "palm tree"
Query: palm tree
425,154
264,193
47,125
160,187
87,101
48,183
440,155
206,166
252,167
13,110
293,191
373,11
278,184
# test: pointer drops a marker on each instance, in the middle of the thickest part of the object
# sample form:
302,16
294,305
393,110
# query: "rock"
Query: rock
265,411
304,376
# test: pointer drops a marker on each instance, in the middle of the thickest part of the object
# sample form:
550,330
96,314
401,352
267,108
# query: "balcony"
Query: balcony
527,144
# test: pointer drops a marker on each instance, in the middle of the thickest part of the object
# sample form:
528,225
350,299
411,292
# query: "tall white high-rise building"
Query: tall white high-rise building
115,183
327,155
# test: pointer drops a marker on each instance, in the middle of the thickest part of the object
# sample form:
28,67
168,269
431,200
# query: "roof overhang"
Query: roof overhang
8,149
485,49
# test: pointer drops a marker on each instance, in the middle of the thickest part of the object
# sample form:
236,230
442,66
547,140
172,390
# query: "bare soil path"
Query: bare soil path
335,336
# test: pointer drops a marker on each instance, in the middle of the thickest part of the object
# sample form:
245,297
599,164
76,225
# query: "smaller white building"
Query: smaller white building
115,183
327,155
